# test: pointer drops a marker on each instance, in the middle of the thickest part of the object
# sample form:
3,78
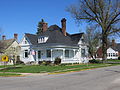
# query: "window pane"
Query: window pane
26,53
39,54
83,52
67,53
48,53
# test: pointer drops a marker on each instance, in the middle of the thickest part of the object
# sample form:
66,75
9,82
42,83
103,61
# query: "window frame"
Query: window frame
26,54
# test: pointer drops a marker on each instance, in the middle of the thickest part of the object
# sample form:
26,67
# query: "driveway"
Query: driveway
107,78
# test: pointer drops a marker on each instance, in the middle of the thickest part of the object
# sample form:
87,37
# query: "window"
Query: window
48,53
83,52
25,42
82,40
26,54
113,54
39,54
67,53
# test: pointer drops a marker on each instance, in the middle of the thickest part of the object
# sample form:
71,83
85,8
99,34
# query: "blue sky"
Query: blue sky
22,16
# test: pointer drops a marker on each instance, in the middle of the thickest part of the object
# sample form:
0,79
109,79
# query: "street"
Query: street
107,78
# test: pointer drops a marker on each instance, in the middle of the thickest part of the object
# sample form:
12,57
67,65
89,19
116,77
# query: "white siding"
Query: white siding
111,54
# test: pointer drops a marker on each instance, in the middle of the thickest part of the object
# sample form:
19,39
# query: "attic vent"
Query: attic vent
42,39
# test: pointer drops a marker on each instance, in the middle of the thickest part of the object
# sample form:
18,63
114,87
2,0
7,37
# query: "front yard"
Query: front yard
53,69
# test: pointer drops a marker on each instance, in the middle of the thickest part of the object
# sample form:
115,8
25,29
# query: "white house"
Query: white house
113,51
112,54
52,43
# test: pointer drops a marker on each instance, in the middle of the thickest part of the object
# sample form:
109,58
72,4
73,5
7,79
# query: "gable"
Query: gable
110,50
14,44
25,41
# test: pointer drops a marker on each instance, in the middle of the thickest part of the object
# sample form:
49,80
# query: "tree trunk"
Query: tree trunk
104,48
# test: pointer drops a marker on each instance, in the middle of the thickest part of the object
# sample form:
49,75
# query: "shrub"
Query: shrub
94,61
40,62
118,58
44,62
57,61
48,62
19,62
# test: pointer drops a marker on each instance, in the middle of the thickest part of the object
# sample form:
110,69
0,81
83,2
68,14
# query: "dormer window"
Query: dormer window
25,42
42,39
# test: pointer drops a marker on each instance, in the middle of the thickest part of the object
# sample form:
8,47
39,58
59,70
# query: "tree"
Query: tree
1,43
105,13
40,27
13,53
92,38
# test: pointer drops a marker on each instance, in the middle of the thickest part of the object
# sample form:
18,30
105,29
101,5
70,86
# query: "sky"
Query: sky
22,16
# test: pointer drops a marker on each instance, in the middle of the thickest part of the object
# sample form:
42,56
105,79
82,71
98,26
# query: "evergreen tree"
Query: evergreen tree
40,25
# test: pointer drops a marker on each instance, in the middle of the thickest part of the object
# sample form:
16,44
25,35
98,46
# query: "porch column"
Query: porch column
63,54
74,53
51,55
36,54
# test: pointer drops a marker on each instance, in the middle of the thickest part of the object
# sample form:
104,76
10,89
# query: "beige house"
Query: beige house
11,48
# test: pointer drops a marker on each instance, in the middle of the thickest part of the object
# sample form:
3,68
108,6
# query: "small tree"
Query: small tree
93,41
13,53
40,27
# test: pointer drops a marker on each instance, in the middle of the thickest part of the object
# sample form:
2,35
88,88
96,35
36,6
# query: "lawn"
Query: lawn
52,69
111,60
9,74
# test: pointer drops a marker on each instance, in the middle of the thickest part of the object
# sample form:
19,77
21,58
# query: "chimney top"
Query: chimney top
63,20
44,26
113,42
15,36
3,37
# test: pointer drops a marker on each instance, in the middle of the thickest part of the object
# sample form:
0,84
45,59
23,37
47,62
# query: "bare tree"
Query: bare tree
105,13
1,43
93,41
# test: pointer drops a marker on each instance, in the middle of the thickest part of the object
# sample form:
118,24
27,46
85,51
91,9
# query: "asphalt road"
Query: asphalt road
107,78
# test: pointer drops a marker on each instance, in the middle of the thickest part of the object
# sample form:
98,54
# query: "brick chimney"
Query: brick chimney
15,36
63,22
3,37
113,43
44,26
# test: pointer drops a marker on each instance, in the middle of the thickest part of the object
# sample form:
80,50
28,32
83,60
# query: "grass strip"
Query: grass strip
4,74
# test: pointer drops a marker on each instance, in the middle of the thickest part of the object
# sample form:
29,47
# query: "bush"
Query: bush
19,62
94,61
44,62
40,62
57,61
118,58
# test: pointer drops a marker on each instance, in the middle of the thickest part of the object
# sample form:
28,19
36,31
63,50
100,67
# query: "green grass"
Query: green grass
9,74
114,60
61,68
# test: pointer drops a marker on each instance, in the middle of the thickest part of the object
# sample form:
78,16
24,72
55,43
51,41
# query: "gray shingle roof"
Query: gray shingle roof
56,37
5,44
117,47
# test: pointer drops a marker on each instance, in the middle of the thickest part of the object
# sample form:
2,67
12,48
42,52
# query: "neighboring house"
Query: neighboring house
113,51
11,48
52,43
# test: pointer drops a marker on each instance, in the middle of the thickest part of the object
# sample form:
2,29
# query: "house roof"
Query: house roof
6,43
116,47
56,37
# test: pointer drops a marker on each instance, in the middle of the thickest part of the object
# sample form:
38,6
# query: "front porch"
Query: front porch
66,55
